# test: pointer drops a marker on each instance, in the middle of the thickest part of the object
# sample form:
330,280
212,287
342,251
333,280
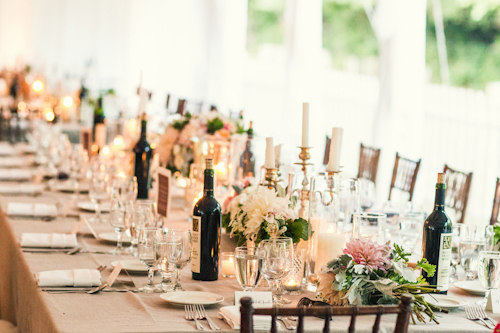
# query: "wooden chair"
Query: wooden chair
404,175
181,107
326,157
496,204
404,311
368,163
457,190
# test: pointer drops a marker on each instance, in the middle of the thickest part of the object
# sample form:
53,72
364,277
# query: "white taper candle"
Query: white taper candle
335,149
269,154
305,125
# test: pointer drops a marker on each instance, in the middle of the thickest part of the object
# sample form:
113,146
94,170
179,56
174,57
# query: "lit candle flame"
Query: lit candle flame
68,101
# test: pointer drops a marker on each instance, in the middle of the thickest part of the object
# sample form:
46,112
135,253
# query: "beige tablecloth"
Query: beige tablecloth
34,311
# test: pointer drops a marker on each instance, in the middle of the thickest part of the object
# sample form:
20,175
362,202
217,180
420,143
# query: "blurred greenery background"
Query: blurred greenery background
472,30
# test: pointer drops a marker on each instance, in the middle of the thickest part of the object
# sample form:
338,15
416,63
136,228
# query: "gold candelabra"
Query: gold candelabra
332,178
271,178
304,191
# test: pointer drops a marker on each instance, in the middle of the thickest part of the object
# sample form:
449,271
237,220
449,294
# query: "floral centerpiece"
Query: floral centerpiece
255,213
175,147
370,274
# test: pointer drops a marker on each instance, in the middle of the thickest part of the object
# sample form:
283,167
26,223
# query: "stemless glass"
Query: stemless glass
117,221
370,226
99,192
349,203
489,271
276,257
185,257
473,239
410,229
247,267
146,253
168,250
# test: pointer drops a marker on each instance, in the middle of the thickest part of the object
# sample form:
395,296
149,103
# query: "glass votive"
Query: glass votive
227,264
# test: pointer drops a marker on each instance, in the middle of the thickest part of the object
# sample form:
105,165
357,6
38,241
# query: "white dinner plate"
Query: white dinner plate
472,287
68,188
90,207
111,237
192,297
444,301
132,266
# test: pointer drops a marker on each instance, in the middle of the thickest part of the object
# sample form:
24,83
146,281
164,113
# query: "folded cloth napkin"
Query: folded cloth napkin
6,149
69,278
29,209
48,240
231,314
21,189
15,161
15,174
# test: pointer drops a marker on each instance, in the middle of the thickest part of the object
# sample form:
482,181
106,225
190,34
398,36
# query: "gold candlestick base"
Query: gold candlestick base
304,156
271,178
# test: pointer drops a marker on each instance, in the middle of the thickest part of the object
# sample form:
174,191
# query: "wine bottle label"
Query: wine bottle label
443,271
196,251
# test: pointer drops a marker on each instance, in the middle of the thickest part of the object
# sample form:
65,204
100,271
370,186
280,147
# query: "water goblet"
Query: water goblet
125,188
489,271
185,256
146,253
247,267
117,221
370,226
473,239
99,192
168,250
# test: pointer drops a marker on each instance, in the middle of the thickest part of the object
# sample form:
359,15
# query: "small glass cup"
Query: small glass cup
489,271
246,266
370,226
473,240
227,264
292,283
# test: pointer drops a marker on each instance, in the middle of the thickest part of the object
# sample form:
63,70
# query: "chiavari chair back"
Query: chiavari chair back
368,163
496,204
181,107
403,310
457,191
404,175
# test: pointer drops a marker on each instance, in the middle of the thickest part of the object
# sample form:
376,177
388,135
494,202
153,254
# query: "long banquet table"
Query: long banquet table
32,310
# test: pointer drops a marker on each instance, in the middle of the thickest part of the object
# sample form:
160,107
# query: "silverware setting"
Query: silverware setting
473,312
289,325
70,251
202,314
191,315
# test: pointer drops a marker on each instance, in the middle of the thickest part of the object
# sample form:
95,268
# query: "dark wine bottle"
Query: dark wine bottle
436,241
207,219
247,160
142,151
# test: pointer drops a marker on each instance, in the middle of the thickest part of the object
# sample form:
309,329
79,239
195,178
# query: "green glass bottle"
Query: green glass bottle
207,219
436,241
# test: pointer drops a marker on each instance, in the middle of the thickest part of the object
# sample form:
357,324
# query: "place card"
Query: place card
493,303
163,198
114,274
260,299
90,227
86,138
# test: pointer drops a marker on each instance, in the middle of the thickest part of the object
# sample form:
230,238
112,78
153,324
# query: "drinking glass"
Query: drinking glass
247,267
99,192
489,271
370,226
473,239
125,188
77,162
292,283
367,193
117,221
349,203
168,250
276,257
185,257
146,253
149,209
410,230
455,257
135,218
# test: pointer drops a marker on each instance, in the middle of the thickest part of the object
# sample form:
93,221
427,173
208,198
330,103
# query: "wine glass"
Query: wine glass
185,257
146,253
289,244
99,192
77,161
149,208
489,271
370,226
125,188
410,229
473,239
276,257
247,267
117,221
135,218
168,249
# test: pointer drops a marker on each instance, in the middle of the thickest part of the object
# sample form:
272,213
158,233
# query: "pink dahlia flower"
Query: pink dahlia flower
368,253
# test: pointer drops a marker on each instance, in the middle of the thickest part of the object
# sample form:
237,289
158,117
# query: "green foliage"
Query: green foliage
181,123
496,237
400,253
226,218
214,125
425,266
264,23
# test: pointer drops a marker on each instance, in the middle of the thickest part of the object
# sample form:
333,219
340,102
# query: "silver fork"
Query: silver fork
482,314
191,316
202,314
471,315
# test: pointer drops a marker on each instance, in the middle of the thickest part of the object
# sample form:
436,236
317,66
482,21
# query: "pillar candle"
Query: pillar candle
270,164
277,155
335,148
305,125
330,246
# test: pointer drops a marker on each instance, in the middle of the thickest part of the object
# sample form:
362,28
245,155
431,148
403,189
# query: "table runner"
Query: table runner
36,311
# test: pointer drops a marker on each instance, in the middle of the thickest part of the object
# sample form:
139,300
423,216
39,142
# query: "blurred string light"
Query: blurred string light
49,115
21,106
68,101
37,86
